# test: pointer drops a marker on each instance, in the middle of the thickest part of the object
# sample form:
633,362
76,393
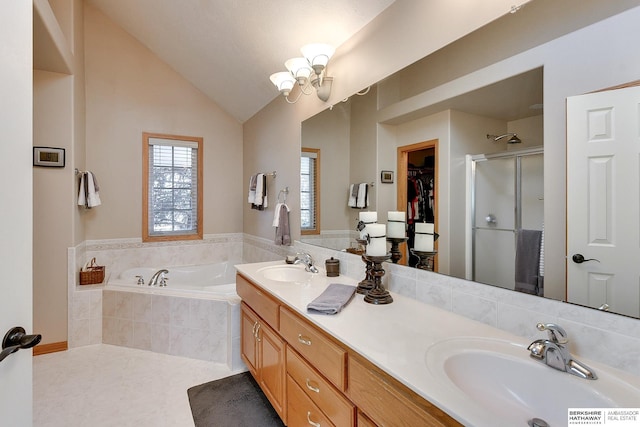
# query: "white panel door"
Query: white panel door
16,109
603,193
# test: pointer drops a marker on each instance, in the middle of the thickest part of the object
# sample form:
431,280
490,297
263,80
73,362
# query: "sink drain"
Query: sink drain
537,422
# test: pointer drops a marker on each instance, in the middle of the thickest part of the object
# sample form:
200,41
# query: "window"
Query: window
172,187
309,191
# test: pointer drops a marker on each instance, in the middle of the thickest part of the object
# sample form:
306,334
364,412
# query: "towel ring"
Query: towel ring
284,193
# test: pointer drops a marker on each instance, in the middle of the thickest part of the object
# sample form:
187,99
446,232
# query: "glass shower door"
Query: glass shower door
507,196
494,222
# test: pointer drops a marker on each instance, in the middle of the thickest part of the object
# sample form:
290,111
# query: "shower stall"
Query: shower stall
506,194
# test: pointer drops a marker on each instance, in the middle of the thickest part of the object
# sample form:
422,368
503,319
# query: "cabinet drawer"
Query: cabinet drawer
364,421
327,357
302,411
330,401
387,402
259,301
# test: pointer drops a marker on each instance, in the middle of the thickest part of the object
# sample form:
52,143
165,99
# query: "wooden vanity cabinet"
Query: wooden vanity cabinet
387,402
263,351
311,378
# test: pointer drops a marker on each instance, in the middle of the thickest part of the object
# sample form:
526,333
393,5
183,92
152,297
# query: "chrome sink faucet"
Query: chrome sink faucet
553,352
158,276
307,260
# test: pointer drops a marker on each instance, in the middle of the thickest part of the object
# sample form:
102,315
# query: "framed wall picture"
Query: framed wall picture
48,157
386,177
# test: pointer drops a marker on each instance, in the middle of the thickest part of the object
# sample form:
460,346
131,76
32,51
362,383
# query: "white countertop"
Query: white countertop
395,337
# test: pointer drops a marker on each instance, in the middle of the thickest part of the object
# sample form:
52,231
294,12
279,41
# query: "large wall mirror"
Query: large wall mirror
489,190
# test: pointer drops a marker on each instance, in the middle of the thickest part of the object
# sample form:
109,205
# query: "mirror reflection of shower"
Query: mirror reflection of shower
506,200
512,140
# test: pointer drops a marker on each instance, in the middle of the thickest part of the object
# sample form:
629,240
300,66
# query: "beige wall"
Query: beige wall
58,121
130,91
53,204
369,56
329,132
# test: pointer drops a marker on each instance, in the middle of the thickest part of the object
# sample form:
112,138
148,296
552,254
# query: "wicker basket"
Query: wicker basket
92,273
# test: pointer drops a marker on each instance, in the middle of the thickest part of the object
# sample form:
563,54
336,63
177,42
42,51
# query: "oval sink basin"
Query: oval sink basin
505,384
286,273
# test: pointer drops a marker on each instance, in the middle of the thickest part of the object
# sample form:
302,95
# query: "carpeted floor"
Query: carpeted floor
235,401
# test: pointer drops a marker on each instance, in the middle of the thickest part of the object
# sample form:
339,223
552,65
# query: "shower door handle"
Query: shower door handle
579,259
16,339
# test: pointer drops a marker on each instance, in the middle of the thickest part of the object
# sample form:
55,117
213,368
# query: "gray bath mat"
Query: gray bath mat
235,401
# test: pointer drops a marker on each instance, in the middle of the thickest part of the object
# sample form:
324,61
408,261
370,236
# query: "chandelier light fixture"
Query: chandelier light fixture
307,72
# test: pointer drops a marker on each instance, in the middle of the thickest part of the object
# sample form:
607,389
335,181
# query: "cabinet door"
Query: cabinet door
272,368
249,347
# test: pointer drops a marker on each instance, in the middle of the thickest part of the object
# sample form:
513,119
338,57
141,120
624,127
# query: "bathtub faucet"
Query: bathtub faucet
159,275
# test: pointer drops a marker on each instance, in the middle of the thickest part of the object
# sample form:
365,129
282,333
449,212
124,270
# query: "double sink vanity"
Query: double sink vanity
401,364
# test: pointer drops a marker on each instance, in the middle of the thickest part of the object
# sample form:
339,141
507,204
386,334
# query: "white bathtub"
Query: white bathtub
209,279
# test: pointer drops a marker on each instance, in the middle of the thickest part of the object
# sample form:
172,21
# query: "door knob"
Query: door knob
16,339
579,259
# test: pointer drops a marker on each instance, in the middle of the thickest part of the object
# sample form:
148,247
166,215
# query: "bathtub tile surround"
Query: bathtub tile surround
195,328
179,326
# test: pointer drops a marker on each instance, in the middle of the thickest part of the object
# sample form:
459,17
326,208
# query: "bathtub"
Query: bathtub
197,315
211,279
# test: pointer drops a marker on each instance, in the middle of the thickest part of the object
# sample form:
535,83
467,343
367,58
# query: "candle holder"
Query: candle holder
367,283
378,295
396,255
426,259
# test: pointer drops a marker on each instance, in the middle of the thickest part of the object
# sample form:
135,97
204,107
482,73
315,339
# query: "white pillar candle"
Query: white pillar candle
367,218
396,224
424,237
377,245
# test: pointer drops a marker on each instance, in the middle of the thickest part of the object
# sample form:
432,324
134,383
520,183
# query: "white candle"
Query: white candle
367,218
424,237
377,245
395,225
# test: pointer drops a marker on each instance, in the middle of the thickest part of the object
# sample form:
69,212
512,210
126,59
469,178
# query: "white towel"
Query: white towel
93,197
252,189
259,198
276,216
88,195
363,197
352,196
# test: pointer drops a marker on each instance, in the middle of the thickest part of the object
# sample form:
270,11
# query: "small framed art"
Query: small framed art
48,157
386,177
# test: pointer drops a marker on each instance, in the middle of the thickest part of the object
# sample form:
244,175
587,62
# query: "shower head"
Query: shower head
513,140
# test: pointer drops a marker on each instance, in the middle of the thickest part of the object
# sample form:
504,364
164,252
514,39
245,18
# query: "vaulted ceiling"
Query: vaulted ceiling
229,48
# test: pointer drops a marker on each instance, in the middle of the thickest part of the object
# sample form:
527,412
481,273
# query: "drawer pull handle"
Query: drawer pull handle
258,333
304,340
312,388
254,329
311,422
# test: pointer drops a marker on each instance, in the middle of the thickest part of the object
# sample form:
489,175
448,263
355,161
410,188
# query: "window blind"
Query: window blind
173,187
308,214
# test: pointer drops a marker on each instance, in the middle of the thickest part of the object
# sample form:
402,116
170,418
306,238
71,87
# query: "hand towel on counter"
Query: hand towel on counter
88,195
283,231
333,299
